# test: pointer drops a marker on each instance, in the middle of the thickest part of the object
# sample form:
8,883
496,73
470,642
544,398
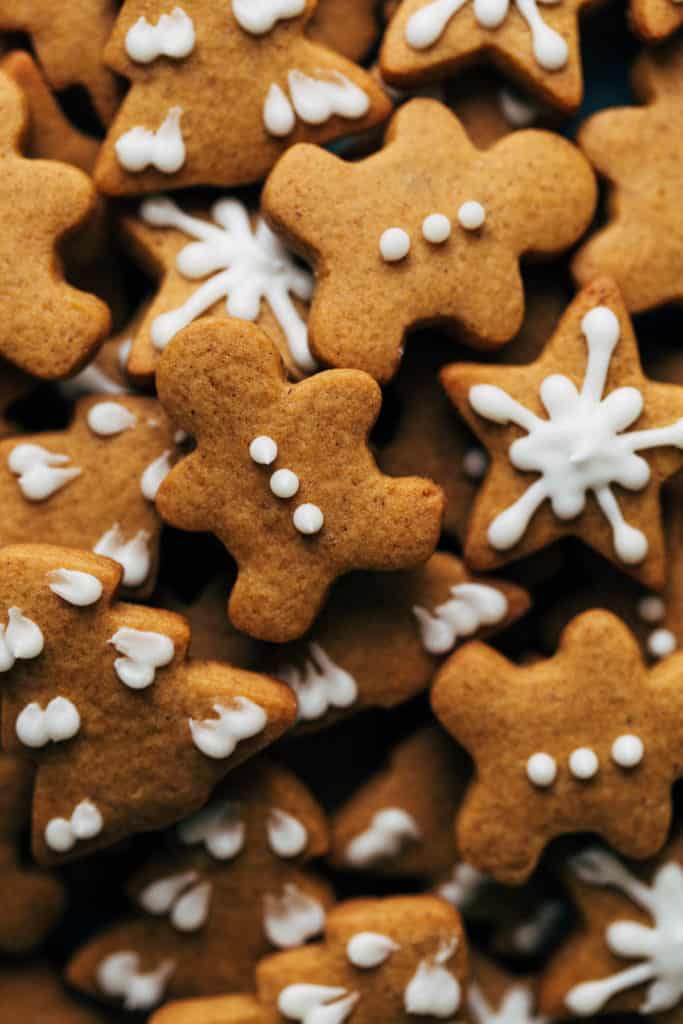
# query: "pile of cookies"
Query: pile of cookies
341,556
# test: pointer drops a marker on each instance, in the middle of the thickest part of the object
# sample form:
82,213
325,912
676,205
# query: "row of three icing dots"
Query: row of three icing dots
394,244
308,519
627,752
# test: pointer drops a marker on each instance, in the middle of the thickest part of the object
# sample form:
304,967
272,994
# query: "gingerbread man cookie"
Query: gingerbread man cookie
41,202
128,734
600,757
558,436
382,962
233,882
390,255
93,485
639,246
219,258
190,64
283,476
533,41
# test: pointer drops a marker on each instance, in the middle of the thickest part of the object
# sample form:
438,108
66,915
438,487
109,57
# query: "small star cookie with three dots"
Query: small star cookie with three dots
429,229
580,442
283,476
601,756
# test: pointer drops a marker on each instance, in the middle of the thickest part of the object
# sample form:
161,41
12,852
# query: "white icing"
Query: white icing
21,639
154,475
516,1006
143,653
628,750
464,885
77,588
284,483
162,149
287,837
428,24
651,608
308,519
182,896
661,643
278,113
132,555
218,827
292,918
317,1004
580,447
62,834
518,110
370,949
260,16
321,685
314,100
531,936
433,991
109,418
172,36
36,468
541,769
390,831
91,381
123,354
59,721
583,763
471,215
119,975
394,245
472,606
263,450
475,463
218,737
245,266
659,946
436,228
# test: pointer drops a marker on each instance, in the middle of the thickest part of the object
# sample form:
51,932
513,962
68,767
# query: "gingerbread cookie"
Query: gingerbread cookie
188,67
382,962
639,246
379,637
565,419
431,39
347,26
233,881
283,476
93,485
390,256
107,373
655,19
600,757
32,993
219,258
43,200
490,109
127,733
494,996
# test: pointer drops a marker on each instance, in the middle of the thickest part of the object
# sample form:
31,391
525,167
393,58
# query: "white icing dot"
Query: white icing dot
583,763
287,837
627,750
284,483
394,245
308,519
263,450
471,215
436,228
541,769
78,588
163,149
59,721
475,463
651,608
154,475
370,949
59,835
108,418
661,643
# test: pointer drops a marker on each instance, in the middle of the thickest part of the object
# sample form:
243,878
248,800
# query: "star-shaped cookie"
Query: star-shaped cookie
430,226
601,756
533,41
564,436
251,59
638,150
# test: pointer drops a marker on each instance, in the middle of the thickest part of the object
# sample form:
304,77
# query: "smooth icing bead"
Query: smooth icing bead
109,418
628,750
661,643
436,228
370,949
583,763
263,450
394,245
78,588
284,483
308,519
471,215
541,769
651,608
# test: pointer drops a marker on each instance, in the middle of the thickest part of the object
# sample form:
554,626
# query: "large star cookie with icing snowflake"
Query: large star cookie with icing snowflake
601,756
580,443
428,230
626,955
382,962
534,40
220,90
283,476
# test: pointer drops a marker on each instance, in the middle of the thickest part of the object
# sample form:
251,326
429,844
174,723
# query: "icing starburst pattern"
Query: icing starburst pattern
583,445
660,947
244,266
516,1007
428,24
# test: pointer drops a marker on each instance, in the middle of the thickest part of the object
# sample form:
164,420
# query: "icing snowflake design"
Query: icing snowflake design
243,266
428,24
660,947
516,1007
580,447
